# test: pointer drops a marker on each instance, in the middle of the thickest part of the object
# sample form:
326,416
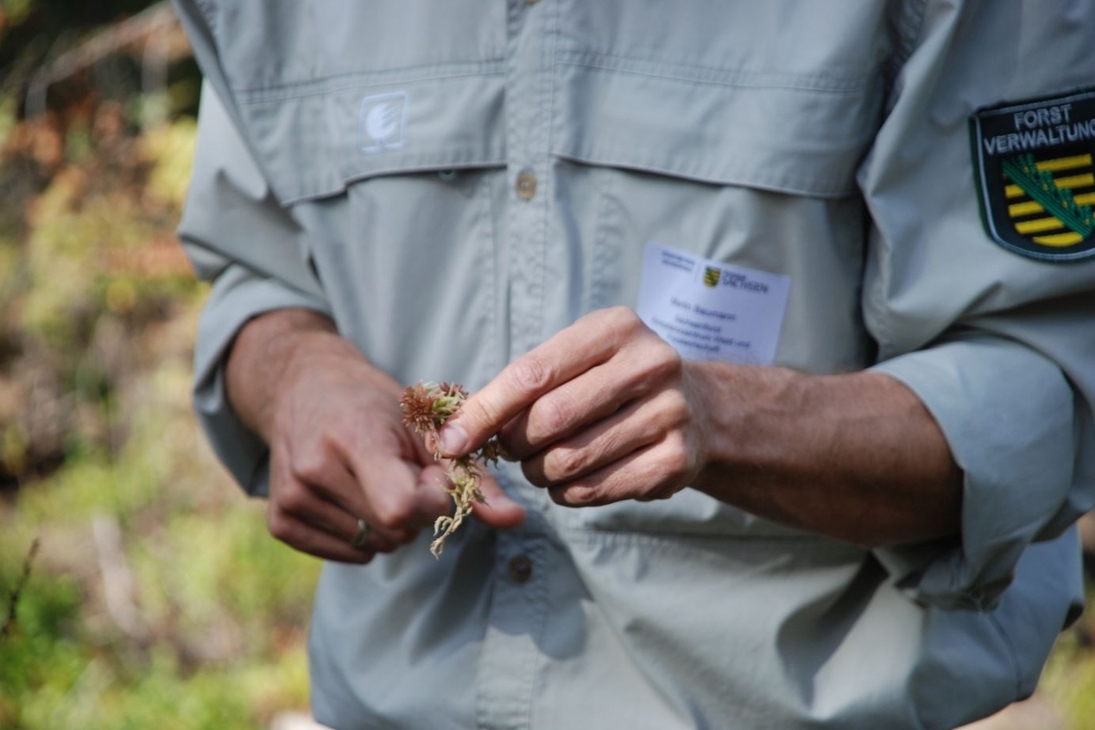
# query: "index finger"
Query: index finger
589,342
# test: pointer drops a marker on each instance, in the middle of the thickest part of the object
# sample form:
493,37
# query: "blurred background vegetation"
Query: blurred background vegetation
138,587
154,597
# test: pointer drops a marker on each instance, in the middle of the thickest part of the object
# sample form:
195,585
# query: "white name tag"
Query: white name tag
708,310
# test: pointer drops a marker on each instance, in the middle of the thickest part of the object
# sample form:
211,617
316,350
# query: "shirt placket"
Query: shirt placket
509,658
528,106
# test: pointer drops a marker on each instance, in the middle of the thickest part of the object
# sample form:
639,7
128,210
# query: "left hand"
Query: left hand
603,411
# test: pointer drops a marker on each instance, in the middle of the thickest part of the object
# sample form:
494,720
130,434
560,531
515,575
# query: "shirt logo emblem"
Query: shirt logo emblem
1036,177
380,122
711,276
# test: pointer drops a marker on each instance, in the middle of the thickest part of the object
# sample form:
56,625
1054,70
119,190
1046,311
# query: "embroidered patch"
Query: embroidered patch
1035,175
380,122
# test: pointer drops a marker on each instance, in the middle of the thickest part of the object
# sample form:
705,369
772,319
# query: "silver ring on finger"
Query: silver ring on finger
361,535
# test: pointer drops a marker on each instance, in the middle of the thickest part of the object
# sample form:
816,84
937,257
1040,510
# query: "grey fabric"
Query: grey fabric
360,159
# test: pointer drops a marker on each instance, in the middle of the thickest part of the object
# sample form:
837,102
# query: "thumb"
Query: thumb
485,412
477,419
499,510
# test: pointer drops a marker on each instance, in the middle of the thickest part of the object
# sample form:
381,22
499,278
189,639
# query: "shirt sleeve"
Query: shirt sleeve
1000,346
238,237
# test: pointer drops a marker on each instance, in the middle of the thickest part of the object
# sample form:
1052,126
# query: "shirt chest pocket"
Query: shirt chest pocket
330,92
755,170
316,145
783,95
802,139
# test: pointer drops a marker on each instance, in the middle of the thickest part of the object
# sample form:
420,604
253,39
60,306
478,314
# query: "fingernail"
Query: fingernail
454,440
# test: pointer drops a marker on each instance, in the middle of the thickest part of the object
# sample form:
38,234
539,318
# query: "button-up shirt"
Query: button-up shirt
453,182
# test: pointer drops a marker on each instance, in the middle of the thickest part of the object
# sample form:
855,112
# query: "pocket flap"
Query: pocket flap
316,138
789,133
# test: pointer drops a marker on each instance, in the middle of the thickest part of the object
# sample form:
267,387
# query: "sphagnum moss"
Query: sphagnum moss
426,407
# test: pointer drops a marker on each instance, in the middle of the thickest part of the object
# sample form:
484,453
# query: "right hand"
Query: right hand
338,449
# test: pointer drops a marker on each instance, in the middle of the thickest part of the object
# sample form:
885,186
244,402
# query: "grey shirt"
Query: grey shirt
454,182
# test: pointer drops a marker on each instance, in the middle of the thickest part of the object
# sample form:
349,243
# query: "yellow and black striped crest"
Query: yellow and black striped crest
1036,176
711,276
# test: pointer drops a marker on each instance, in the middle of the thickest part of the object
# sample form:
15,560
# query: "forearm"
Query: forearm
856,457
261,356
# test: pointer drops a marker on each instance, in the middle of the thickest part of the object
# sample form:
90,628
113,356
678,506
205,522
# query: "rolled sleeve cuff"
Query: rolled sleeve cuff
1007,415
238,296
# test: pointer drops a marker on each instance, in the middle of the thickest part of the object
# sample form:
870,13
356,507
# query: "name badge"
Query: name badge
709,310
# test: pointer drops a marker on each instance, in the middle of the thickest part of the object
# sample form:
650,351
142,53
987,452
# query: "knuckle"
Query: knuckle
309,467
620,317
279,525
394,512
618,324
292,498
550,416
677,408
664,362
529,374
670,411
565,463
576,496
677,459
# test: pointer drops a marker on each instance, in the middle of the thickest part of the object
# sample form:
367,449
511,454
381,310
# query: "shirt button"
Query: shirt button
526,184
519,569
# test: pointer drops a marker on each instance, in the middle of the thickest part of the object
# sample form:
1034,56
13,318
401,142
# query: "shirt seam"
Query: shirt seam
711,76
611,158
637,537
270,93
422,163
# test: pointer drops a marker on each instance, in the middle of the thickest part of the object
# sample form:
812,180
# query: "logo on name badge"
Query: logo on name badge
711,276
380,122
1036,176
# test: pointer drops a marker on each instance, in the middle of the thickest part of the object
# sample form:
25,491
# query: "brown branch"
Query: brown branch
88,52
9,622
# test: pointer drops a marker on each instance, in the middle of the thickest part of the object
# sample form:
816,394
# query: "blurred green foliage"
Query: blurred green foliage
157,598
1069,678
208,630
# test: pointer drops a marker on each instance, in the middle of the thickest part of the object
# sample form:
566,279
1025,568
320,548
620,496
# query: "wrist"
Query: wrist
853,456
753,413
265,357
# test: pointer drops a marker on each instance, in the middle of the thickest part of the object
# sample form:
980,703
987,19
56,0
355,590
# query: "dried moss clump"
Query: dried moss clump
426,407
